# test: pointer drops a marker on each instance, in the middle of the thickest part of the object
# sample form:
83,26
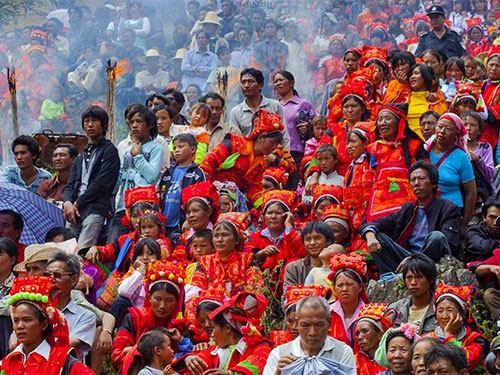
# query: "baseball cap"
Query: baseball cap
435,9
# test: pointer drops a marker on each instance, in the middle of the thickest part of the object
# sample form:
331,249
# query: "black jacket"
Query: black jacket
450,44
442,216
97,197
480,243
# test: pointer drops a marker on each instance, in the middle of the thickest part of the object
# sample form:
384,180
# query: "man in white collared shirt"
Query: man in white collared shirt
313,320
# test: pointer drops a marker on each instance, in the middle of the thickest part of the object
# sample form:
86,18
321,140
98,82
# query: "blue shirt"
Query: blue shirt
173,197
194,59
420,231
12,174
454,171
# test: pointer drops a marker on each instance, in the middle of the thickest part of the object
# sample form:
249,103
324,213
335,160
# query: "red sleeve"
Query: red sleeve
214,159
256,361
123,339
200,278
80,369
294,247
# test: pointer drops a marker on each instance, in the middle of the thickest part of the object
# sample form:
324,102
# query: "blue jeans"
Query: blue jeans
388,258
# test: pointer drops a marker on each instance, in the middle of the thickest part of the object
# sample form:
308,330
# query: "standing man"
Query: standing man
440,38
215,127
26,151
93,176
62,160
252,83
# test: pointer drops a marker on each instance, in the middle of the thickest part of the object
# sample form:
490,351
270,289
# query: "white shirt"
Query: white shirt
332,349
144,78
43,349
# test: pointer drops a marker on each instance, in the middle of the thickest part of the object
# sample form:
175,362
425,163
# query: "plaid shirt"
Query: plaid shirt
12,174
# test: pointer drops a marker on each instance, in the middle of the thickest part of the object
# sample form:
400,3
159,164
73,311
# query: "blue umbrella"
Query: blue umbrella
39,215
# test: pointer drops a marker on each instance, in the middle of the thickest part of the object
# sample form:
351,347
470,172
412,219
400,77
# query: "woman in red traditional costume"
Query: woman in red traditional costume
323,196
374,320
162,308
475,41
391,156
241,159
348,281
236,269
239,346
456,325
337,218
292,296
41,331
200,204
409,36
278,241
491,95
331,66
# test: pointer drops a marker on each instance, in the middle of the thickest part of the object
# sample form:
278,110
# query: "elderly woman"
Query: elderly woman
39,328
447,152
313,322
457,326
238,270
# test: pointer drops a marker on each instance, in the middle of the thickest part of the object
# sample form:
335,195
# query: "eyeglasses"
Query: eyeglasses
57,275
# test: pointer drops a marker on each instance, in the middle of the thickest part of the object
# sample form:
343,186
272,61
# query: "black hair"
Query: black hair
148,116
220,51
428,75
29,142
421,264
203,233
149,341
164,107
455,60
378,33
213,96
455,355
97,113
433,340
17,218
150,244
366,113
321,228
396,333
58,231
73,152
76,9
182,21
401,57
202,32
431,170
164,287
476,116
179,98
261,11
141,206
327,148
9,247
198,90
247,28
492,201
220,320
230,226
289,77
426,114
160,97
57,21
270,20
129,108
440,56
278,203
257,74
187,138
202,202
206,306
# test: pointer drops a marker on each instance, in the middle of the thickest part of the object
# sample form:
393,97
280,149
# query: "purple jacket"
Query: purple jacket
291,110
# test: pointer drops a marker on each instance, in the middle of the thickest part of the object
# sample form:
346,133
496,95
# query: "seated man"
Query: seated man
313,322
81,322
484,237
152,79
430,225
26,150
446,359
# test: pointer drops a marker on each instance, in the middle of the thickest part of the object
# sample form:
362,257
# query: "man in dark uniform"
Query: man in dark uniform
440,38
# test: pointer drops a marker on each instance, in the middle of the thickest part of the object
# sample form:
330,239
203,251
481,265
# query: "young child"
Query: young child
319,275
181,174
155,349
318,129
132,283
201,244
200,114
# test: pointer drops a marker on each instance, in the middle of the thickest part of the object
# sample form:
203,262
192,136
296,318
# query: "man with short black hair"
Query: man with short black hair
446,359
440,38
11,226
484,237
430,225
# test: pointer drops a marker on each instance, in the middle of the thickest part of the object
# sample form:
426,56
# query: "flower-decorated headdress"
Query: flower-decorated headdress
204,191
460,294
141,194
378,25
41,293
374,53
158,214
294,293
493,52
378,314
410,331
278,176
326,191
339,37
468,90
337,213
252,305
229,188
267,122
474,22
172,273
286,197
359,86
353,261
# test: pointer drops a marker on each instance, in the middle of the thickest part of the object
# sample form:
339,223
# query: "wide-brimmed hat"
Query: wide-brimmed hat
179,54
151,53
35,253
211,17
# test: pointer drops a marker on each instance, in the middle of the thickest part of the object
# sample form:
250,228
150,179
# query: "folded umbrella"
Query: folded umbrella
39,215
317,366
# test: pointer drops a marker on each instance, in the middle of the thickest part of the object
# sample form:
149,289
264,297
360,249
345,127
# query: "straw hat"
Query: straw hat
179,54
35,253
211,17
151,53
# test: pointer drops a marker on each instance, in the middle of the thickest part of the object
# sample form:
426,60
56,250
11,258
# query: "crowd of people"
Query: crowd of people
235,230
